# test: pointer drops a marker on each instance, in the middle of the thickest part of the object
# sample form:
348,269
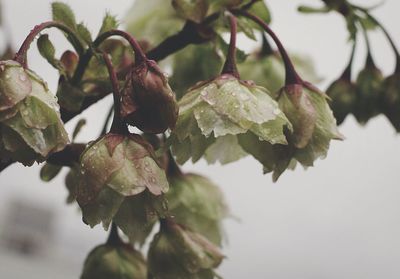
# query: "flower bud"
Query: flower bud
148,102
15,84
313,128
343,94
178,253
369,84
314,125
114,262
112,169
214,113
390,99
30,124
196,202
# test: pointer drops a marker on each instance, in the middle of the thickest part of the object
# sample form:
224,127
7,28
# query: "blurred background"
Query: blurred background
340,219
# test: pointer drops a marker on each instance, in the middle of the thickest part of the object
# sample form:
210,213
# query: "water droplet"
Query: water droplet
82,171
146,163
276,111
153,180
22,77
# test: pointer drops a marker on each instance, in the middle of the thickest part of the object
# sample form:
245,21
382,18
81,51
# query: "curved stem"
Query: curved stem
140,56
118,125
291,75
370,61
20,56
347,72
385,32
230,63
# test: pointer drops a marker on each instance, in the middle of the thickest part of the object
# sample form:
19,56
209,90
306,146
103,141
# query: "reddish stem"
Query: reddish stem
140,56
117,126
21,55
230,63
291,75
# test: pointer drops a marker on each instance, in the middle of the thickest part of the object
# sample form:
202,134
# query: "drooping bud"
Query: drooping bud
314,126
214,113
148,101
113,169
177,253
369,84
390,99
343,94
114,262
30,124
196,202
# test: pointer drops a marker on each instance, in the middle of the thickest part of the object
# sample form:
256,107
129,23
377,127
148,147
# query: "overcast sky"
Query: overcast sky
339,219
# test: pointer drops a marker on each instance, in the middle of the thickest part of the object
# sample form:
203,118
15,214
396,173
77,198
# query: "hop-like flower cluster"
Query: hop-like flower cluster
30,124
115,171
213,115
114,262
179,253
198,203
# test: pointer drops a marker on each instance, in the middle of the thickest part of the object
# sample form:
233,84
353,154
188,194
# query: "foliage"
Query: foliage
220,104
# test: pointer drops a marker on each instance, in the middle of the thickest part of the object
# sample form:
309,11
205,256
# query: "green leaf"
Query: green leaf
109,23
84,33
47,50
63,13
143,20
49,171
194,10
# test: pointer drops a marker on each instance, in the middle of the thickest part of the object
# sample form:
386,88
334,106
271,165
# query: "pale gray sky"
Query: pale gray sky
339,219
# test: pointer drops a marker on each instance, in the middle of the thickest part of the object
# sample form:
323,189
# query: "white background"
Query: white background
339,219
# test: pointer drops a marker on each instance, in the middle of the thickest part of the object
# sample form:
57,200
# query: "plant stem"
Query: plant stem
21,55
230,63
370,60
385,32
108,117
118,125
140,56
291,75
347,72
113,238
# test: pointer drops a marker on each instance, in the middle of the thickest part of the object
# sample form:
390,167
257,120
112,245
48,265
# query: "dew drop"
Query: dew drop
22,77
